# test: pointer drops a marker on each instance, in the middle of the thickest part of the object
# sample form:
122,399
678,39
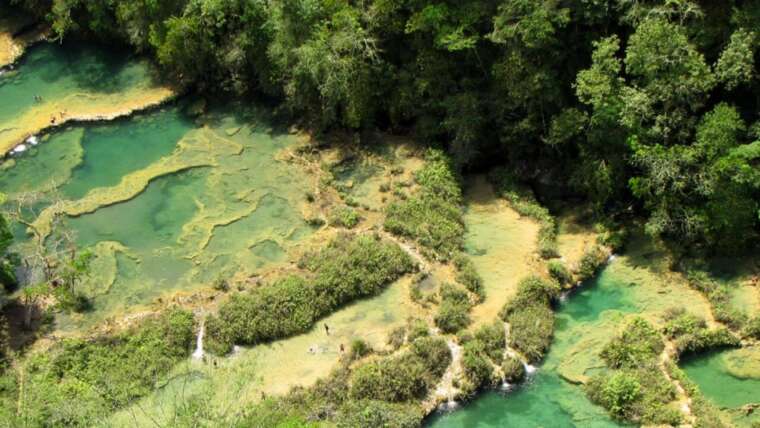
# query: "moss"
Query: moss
752,329
513,369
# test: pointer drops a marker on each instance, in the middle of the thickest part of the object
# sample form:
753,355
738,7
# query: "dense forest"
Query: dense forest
637,106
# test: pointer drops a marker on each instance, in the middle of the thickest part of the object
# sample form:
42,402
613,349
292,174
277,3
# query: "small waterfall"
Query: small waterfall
611,258
529,369
198,353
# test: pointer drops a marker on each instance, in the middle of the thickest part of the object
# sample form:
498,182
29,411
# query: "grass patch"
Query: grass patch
349,268
468,276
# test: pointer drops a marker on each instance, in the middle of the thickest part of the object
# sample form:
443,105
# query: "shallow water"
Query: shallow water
547,400
167,202
729,378
54,83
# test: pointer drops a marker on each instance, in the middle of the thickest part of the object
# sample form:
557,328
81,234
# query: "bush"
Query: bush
531,330
344,217
638,344
453,312
433,216
104,373
494,340
347,269
590,262
374,413
478,371
514,370
720,299
559,272
617,393
404,377
752,329
358,349
691,333
468,276
532,290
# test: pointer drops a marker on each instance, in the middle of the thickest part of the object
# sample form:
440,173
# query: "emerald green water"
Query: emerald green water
233,209
710,372
110,151
547,400
52,71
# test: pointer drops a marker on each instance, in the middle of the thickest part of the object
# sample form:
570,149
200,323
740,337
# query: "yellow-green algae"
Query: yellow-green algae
229,384
502,245
53,86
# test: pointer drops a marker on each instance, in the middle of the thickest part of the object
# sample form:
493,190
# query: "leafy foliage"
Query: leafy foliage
432,217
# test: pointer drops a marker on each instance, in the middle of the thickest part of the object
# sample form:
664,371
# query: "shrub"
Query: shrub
452,317
532,290
590,262
417,329
404,377
638,344
433,216
478,371
531,330
617,393
347,269
719,297
358,349
453,312
752,329
691,333
468,276
559,272
107,372
375,413
514,370
494,340
344,217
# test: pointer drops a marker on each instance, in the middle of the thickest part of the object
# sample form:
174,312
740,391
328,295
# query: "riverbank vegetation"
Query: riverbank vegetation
644,107
349,268
80,381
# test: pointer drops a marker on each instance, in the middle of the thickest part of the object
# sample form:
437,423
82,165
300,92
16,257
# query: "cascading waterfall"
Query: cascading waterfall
198,353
